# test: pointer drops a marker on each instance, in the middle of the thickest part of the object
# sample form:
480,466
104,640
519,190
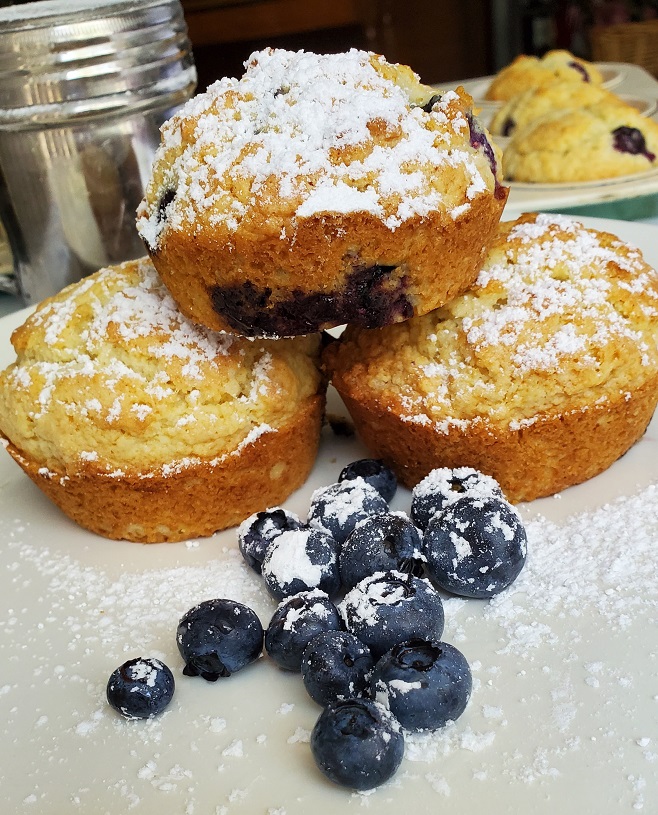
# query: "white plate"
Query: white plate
645,105
577,185
613,74
562,718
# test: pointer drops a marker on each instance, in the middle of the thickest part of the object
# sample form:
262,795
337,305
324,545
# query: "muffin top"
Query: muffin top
559,318
110,376
527,71
595,142
557,95
301,135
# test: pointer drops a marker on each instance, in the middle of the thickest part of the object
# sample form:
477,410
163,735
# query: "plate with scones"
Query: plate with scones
342,394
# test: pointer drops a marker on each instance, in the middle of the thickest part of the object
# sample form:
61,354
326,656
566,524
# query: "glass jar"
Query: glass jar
84,88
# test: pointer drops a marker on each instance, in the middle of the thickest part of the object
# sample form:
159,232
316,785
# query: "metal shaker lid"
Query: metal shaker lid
69,59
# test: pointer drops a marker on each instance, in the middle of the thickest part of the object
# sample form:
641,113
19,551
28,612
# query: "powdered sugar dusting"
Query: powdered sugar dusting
299,126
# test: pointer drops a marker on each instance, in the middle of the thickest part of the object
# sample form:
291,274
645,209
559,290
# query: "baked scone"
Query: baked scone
557,95
540,376
527,72
142,426
320,190
598,142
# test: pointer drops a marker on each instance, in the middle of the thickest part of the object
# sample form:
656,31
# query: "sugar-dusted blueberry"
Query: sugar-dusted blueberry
389,607
476,547
374,472
140,688
295,622
381,543
299,560
429,105
336,665
256,533
424,683
444,486
166,199
357,744
338,508
219,637
631,140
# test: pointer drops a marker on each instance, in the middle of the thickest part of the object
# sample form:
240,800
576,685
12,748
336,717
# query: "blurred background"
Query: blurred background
442,40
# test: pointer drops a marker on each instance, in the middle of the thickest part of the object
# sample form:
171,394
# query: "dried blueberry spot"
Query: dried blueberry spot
508,126
630,140
372,297
167,197
428,106
581,70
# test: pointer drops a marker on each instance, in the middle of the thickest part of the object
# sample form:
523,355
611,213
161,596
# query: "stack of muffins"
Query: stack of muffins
564,126
174,396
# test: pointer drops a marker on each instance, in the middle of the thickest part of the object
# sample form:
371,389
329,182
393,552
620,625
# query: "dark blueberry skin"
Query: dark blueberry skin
444,486
381,543
300,560
218,638
375,473
427,107
256,534
295,622
141,688
508,126
476,547
581,70
372,297
479,141
424,684
338,508
336,665
630,140
389,607
357,744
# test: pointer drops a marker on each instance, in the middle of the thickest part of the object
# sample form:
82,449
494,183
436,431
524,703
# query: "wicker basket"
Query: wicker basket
636,43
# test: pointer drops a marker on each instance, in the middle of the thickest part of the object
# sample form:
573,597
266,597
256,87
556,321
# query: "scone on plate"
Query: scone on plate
594,143
142,426
527,72
541,376
320,190
558,95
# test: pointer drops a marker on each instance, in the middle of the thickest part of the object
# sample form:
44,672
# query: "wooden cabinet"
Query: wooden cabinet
441,39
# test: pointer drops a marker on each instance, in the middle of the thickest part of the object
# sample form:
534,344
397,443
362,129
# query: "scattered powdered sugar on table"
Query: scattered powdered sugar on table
599,565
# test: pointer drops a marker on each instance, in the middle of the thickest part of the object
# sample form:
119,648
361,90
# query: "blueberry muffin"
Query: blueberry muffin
598,142
527,72
525,108
540,376
320,190
142,426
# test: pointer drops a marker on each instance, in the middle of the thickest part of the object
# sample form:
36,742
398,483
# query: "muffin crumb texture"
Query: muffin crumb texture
557,338
114,387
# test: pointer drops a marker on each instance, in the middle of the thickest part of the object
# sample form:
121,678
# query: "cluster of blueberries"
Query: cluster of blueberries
373,659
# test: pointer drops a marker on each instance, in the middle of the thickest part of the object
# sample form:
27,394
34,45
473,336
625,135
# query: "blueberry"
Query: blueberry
424,684
338,508
389,607
508,126
140,688
374,472
167,197
218,638
580,69
427,107
336,665
357,743
630,140
295,622
476,547
257,532
301,559
381,543
444,486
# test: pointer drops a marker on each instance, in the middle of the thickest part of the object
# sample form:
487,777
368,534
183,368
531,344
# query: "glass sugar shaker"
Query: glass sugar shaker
84,88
